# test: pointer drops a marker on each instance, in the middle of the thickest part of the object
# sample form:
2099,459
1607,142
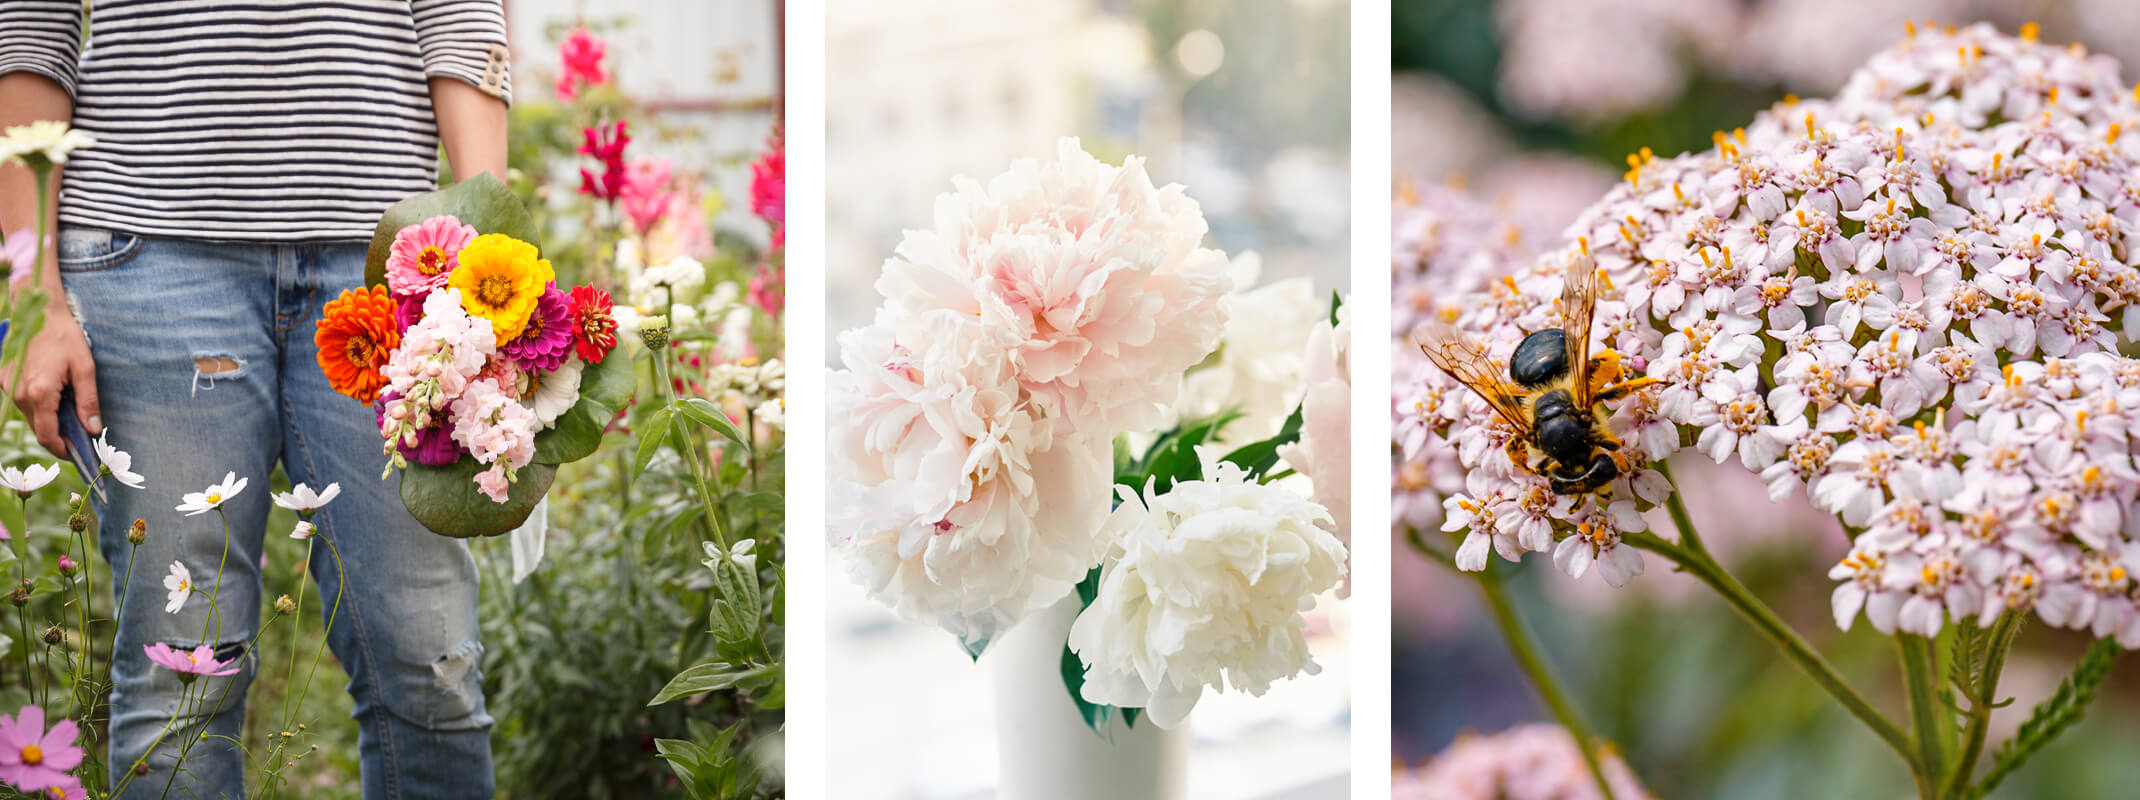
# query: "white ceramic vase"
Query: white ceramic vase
1045,751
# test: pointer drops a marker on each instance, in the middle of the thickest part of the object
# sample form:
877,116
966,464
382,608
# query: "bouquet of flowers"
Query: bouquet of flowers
983,424
485,374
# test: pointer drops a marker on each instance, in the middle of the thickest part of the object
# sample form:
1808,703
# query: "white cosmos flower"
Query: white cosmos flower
1093,280
301,498
49,138
195,503
179,586
960,506
1206,591
119,461
28,479
303,530
553,393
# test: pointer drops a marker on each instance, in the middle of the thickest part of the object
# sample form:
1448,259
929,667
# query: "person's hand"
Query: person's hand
58,357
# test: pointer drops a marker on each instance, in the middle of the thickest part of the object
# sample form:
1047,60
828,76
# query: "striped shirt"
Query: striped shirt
253,120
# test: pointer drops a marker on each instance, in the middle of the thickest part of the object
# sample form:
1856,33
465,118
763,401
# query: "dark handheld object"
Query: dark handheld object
78,446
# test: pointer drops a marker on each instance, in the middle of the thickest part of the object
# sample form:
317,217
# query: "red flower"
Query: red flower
607,145
594,330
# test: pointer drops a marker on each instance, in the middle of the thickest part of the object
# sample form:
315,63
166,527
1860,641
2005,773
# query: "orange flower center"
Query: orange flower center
495,290
360,350
534,326
32,755
431,261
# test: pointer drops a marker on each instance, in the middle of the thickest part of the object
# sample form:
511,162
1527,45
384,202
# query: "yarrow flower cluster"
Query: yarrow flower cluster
465,326
1527,762
1905,301
1047,311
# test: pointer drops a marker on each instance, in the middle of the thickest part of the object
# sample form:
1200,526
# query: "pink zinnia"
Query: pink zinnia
547,339
409,310
579,63
424,255
189,665
32,758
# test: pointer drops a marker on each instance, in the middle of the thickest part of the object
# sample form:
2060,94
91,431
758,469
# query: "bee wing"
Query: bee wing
1467,362
1578,303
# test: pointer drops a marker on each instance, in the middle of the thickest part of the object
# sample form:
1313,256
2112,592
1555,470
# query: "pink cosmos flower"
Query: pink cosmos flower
189,665
32,758
579,63
20,249
424,254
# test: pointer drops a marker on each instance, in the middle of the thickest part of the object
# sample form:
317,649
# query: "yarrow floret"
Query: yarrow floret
1905,301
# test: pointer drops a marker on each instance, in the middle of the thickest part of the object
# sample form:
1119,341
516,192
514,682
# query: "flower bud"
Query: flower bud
53,635
67,566
138,533
77,521
285,605
654,331
21,595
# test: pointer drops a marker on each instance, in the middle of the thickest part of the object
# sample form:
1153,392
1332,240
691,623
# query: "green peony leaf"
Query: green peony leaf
480,202
446,500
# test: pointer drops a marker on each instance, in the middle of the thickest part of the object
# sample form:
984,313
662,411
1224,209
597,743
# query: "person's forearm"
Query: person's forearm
471,124
27,97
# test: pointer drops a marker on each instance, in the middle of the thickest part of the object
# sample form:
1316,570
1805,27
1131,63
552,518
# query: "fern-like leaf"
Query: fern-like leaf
2052,716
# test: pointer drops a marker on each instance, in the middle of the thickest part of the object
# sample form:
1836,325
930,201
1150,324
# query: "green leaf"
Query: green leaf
1259,457
446,500
480,202
1173,459
650,436
1072,668
1336,302
710,415
2054,715
702,677
605,389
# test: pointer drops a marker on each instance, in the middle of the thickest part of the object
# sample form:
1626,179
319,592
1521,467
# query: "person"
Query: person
243,156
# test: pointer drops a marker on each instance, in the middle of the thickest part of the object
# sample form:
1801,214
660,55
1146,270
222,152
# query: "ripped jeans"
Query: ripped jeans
206,365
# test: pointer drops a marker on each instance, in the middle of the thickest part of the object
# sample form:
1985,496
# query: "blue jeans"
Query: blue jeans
206,365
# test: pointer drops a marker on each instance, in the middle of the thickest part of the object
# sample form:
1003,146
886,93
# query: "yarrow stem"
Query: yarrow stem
1934,728
1697,562
1985,697
1524,646
1529,655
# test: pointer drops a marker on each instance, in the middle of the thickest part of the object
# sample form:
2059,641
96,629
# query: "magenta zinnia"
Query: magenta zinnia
547,338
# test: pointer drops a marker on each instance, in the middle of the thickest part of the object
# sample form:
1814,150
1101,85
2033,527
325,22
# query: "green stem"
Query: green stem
1982,703
1808,660
1524,646
1920,675
689,446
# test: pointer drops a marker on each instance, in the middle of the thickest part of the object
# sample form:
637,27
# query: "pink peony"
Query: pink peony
32,758
189,665
1323,453
424,254
579,63
1094,281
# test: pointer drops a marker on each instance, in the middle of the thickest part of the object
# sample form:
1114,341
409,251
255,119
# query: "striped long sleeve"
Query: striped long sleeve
41,36
465,39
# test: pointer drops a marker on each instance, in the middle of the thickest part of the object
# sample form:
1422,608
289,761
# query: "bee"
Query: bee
1554,389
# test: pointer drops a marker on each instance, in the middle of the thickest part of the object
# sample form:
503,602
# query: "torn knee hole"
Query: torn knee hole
449,671
215,366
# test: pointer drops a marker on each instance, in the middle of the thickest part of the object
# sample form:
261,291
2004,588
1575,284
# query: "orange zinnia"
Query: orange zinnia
356,335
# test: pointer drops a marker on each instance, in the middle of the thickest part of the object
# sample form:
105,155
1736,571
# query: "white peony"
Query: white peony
1206,590
1324,452
1258,364
1094,281
942,471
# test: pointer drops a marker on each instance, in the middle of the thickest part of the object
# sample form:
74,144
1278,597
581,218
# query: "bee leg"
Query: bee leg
1624,389
1519,453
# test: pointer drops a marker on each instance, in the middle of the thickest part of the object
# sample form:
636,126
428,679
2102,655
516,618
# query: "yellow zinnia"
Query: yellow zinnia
500,279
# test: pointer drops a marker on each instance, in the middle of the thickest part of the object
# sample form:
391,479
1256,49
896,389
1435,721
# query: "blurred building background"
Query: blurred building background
1246,104
1532,105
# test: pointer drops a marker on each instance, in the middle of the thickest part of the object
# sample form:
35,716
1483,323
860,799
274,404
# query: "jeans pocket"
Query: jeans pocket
95,250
